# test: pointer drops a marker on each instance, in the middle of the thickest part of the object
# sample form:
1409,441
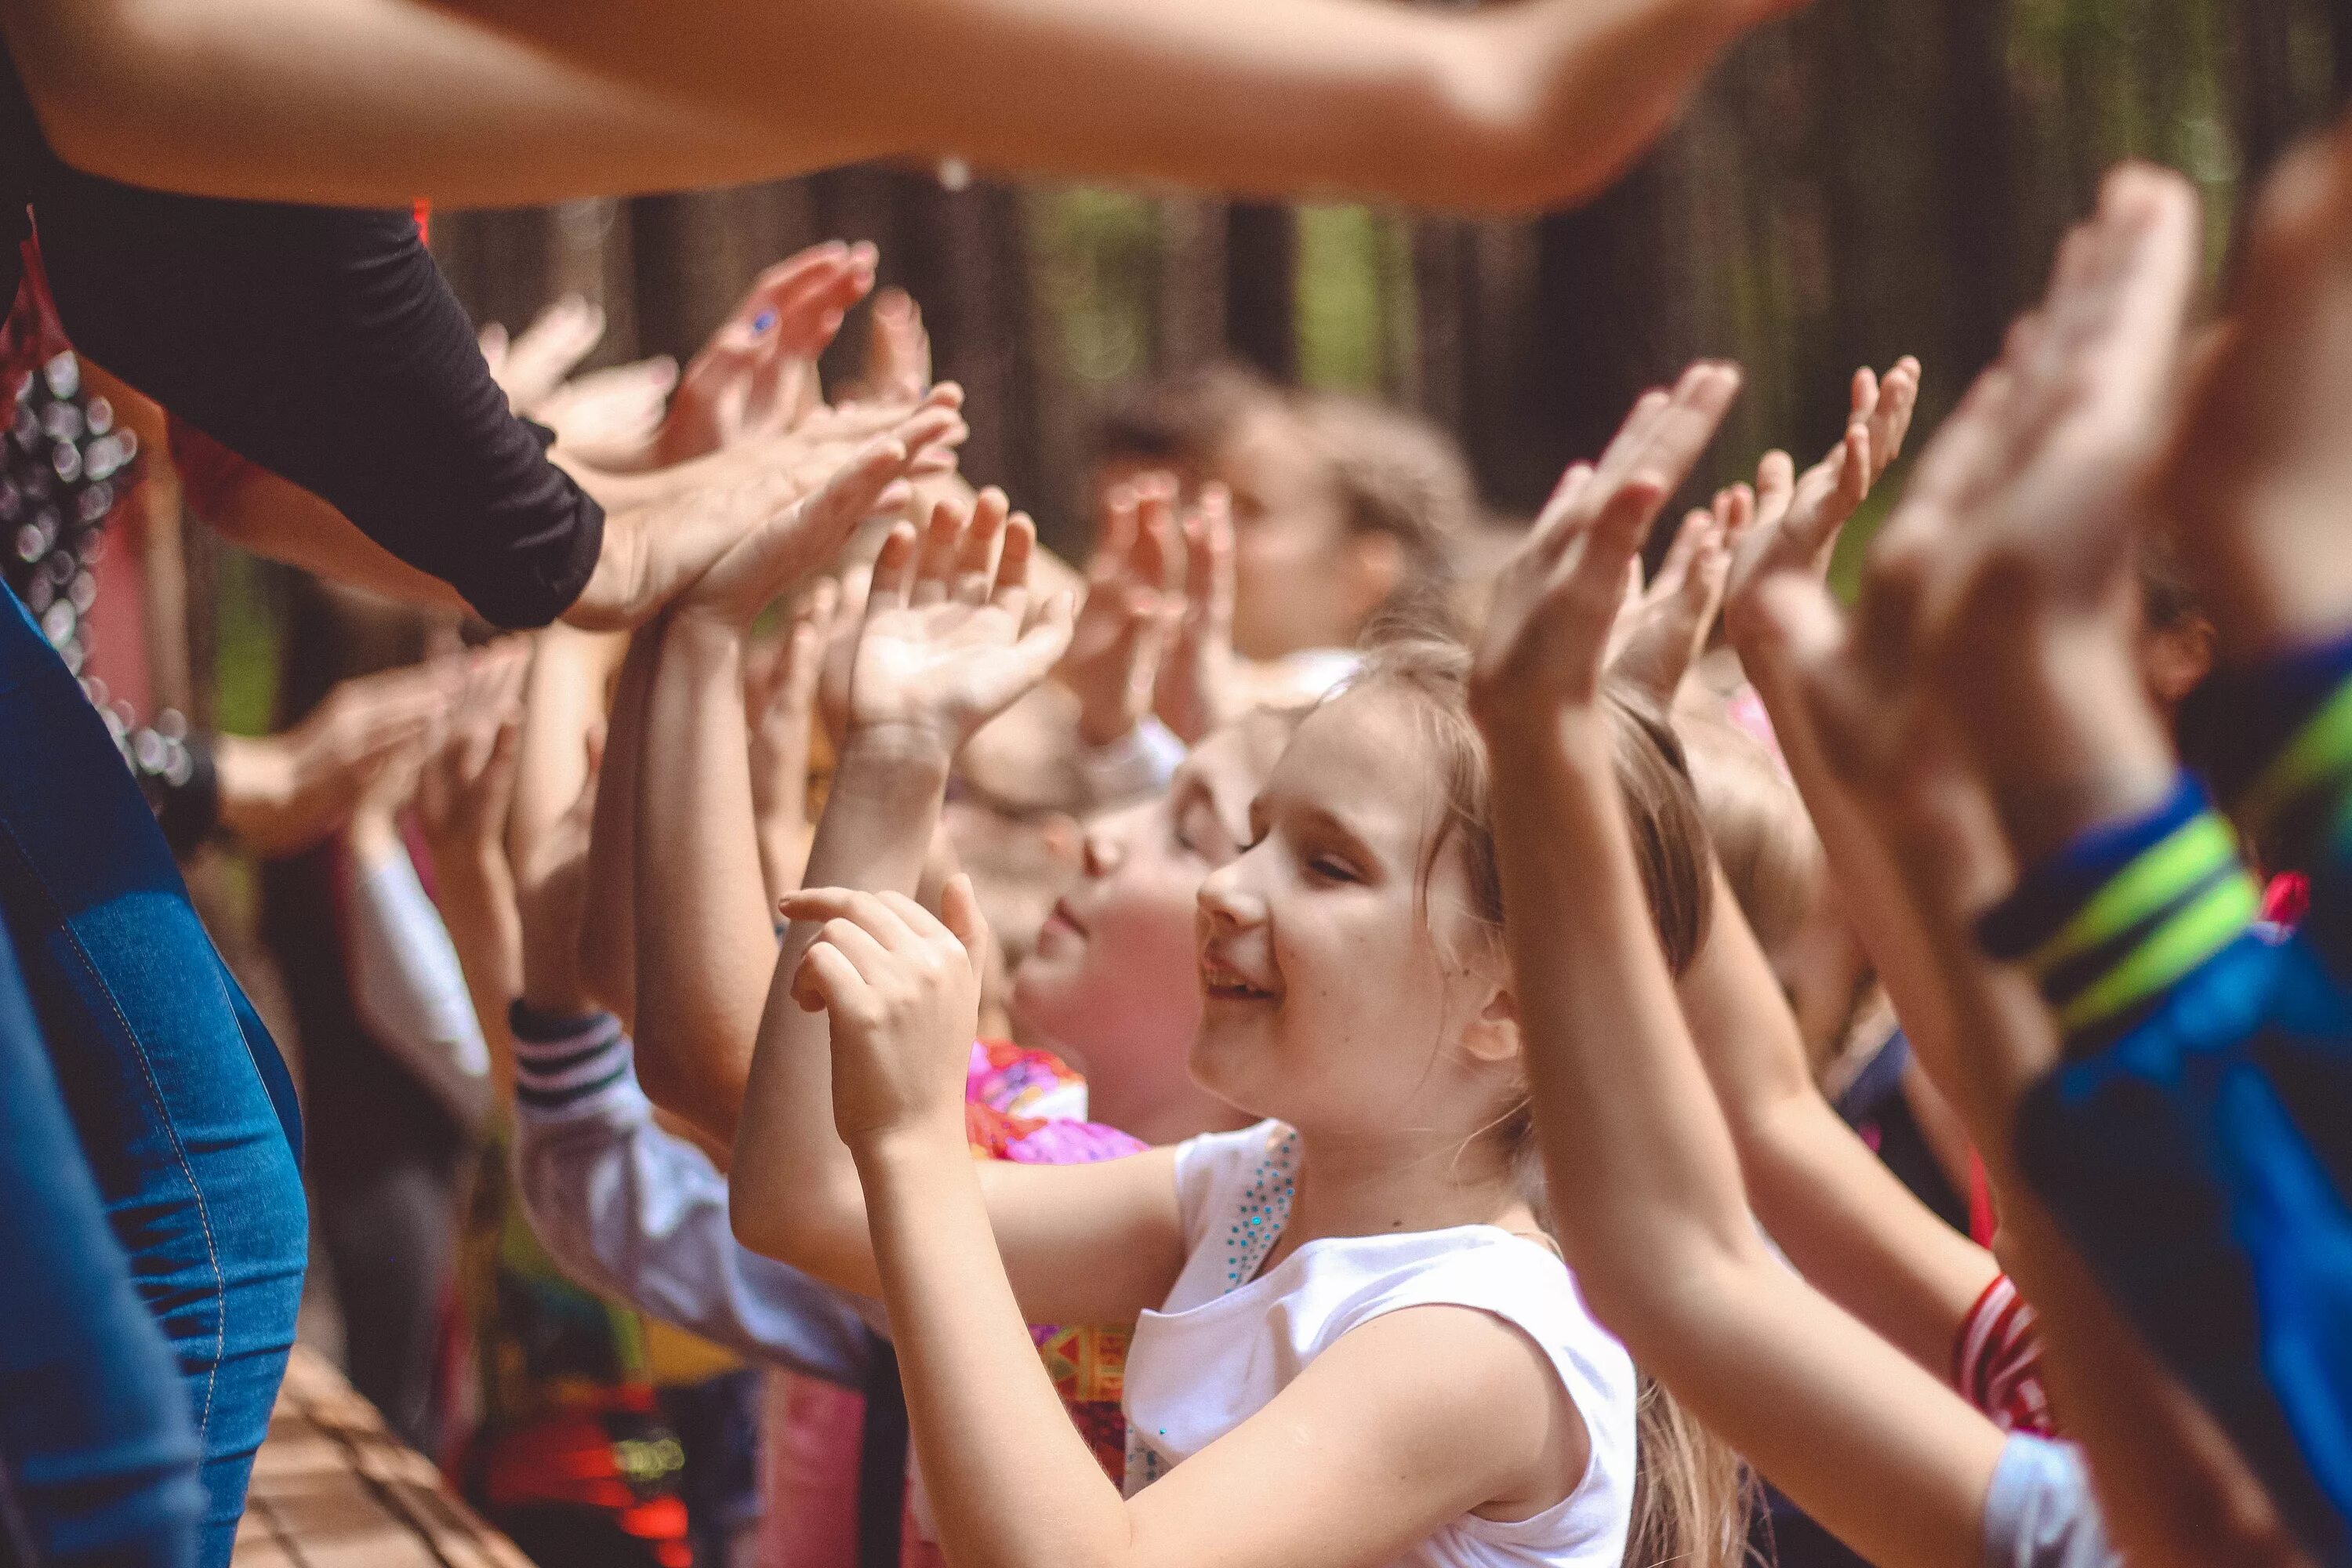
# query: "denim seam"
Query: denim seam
163,1118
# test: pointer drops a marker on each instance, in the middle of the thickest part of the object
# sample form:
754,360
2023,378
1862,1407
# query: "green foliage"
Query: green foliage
246,670
1097,258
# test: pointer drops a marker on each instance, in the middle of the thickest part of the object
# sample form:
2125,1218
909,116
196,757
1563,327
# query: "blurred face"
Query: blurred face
1114,976
1334,999
1300,579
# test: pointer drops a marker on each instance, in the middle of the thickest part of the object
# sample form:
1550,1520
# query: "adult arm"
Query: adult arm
380,100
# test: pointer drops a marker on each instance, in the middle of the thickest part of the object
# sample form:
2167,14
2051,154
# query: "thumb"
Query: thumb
960,912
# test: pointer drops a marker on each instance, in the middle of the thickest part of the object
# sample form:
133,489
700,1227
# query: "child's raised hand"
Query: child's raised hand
1663,629
1123,625
903,990
530,366
780,702
2014,544
1192,695
2259,469
800,534
757,376
466,782
1548,629
1800,516
951,635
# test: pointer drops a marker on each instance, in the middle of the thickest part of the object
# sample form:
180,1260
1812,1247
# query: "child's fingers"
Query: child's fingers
1735,512
921,925
1683,430
1776,487
1156,545
935,568
984,539
1706,555
1898,400
1855,474
1632,437
1010,594
1555,526
868,912
1115,541
1048,635
1863,399
826,982
1690,535
1209,562
1609,556
894,570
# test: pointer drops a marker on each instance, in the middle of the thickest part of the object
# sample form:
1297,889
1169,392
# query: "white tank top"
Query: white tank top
1228,1340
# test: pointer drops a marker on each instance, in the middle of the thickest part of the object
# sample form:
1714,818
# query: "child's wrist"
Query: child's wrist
895,750
918,1148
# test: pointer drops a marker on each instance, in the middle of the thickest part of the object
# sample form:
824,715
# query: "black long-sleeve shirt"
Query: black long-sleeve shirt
321,343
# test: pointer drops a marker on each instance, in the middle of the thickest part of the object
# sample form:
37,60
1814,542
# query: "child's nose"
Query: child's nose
1226,899
1103,853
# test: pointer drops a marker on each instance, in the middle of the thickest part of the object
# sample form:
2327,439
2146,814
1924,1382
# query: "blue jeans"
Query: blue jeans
184,1108
96,1448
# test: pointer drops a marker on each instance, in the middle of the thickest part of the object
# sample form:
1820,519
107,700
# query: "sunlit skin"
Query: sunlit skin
1113,980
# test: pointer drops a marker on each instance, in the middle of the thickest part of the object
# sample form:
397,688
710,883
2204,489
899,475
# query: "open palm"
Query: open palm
951,636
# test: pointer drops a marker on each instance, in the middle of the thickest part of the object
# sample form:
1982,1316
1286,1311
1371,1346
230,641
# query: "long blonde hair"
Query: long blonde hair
1692,1493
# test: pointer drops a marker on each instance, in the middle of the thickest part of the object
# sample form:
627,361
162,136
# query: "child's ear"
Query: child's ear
1377,563
1494,1034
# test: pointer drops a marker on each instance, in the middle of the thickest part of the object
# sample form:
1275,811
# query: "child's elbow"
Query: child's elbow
759,1226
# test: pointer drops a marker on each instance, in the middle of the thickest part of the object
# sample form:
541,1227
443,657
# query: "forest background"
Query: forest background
1866,179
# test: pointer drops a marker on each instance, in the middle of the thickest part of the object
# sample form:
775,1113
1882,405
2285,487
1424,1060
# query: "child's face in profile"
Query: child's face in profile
1300,580
1113,975
1333,1002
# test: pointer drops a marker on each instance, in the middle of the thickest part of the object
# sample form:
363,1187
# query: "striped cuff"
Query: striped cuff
2237,723
567,1064
2300,805
2103,947
1997,1361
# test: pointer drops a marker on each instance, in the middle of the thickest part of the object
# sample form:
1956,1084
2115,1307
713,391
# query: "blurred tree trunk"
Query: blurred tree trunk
2267,113
1190,329
1261,280
696,253
1978,185
2339,34
963,255
1615,311
507,265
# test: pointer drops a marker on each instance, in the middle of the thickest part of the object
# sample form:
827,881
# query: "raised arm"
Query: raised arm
1411,1420
2174,1489
563,718
462,799
378,101
1659,1231
1855,1232
705,938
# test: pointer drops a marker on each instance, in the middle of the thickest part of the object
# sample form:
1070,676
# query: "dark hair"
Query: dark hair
1184,418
